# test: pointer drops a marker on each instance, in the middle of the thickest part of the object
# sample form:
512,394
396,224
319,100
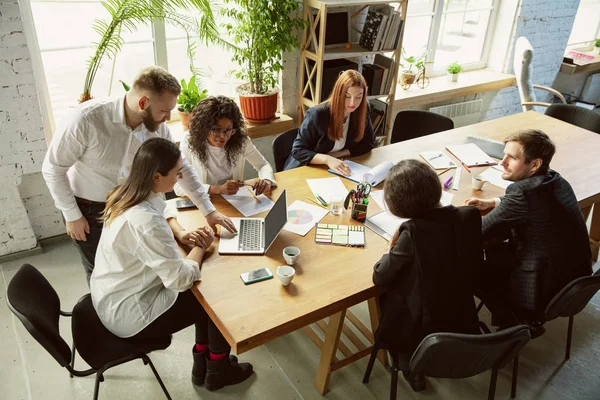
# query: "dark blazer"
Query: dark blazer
430,274
312,137
542,219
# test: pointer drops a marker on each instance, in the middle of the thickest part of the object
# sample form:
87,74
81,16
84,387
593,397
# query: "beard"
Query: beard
148,121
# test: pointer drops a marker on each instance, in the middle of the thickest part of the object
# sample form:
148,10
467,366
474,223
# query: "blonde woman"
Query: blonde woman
339,127
140,283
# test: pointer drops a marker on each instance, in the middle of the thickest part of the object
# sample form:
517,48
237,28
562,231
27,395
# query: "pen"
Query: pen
438,156
253,195
465,165
316,202
448,182
444,171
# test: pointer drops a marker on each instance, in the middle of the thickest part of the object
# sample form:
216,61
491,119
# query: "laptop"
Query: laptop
255,235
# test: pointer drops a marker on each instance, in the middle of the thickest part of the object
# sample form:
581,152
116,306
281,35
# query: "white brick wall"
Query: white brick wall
24,196
547,24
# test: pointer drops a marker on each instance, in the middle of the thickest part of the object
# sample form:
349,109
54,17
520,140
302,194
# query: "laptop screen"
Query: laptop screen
275,220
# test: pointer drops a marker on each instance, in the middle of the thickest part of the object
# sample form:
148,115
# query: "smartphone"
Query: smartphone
256,275
183,204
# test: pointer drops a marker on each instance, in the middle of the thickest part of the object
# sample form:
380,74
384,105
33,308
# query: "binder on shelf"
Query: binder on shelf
373,74
370,29
387,64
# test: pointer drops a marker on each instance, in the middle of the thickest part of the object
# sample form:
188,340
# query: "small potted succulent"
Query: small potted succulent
597,46
453,70
189,97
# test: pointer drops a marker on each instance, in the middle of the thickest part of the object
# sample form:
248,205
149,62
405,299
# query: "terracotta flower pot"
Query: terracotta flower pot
185,119
257,107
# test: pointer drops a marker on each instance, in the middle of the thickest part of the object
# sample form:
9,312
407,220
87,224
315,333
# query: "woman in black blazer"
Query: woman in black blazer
431,266
339,127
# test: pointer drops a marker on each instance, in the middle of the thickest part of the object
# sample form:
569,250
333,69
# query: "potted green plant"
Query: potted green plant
129,14
188,98
261,30
597,46
453,70
411,67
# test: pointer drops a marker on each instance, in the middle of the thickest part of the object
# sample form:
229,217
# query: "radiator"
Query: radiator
462,114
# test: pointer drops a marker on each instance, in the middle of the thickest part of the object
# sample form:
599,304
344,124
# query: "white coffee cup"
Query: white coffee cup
291,254
285,274
479,182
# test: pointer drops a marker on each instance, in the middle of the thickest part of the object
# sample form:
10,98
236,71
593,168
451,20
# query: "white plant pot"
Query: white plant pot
596,50
452,77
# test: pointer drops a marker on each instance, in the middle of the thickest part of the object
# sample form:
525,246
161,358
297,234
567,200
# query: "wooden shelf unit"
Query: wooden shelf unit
313,48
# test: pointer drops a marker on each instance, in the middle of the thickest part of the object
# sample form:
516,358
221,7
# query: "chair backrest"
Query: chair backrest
410,124
573,297
575,115
455,355
522,67
35,302
282,147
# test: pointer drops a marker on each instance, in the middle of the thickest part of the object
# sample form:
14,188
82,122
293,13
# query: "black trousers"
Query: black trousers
87,249
185,312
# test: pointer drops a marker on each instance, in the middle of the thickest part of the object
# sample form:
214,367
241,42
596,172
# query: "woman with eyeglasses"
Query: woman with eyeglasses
338,127
218,146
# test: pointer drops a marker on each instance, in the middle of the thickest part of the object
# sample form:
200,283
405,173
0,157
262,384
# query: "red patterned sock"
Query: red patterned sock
201,348
217,356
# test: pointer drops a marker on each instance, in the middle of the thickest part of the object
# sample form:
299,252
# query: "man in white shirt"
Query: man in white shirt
92,151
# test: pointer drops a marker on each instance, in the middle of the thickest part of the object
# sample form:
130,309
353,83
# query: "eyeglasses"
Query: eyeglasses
223,132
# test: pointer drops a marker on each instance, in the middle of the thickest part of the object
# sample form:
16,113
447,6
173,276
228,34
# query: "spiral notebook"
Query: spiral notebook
471,155
493,148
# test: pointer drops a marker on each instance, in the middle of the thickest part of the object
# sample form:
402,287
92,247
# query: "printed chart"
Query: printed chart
302,217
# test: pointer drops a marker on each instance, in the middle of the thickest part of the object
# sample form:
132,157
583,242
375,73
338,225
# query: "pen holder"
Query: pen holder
359,211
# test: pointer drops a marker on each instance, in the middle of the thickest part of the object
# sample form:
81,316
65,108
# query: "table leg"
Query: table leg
332,337
374,313
595,231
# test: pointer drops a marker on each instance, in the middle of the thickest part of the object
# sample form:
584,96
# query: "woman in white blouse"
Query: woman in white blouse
218,146
140,283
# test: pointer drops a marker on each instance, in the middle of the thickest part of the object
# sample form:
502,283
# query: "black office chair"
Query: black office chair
575,115
33,300
456,355
282,147
411,124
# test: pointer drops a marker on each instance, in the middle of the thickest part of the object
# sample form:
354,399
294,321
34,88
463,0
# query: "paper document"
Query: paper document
437,159
246,204
302,217
378,172
385,224
471,155
494,176
327,187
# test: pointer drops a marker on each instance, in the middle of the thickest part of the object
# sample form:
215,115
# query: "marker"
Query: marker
320,199
448,182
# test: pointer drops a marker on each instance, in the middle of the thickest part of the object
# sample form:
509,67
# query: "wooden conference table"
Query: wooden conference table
330,279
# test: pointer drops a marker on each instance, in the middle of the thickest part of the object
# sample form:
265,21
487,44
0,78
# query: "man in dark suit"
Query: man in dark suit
548,243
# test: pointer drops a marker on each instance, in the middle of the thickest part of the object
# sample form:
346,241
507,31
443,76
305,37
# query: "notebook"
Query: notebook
491,147
379,172
471,155
437,159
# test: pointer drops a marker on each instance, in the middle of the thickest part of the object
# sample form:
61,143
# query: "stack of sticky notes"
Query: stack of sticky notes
340,235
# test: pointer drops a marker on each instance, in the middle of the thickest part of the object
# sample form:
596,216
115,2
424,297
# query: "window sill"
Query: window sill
280,124
571,69
440,89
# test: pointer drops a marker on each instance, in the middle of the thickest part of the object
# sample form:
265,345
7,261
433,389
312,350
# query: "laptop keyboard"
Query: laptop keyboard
250,234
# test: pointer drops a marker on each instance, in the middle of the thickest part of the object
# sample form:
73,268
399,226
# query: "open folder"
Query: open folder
471,155
378,172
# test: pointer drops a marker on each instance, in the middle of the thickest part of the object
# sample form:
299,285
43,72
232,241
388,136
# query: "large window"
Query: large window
450,30
65,35
586,27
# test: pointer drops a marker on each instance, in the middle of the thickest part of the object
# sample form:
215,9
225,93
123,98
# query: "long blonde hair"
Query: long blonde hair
154,155
337,106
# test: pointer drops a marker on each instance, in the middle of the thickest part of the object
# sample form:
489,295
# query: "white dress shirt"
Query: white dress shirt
138,270
218,170
92,152
250,153
340,143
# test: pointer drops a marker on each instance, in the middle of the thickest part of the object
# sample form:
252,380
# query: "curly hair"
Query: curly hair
206,116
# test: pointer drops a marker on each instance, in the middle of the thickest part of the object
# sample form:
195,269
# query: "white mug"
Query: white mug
291,254
479,182
285,274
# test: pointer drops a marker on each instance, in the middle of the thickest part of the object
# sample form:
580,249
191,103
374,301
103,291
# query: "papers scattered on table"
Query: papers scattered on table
385,224
246,204
494,176
446,199
471,155
378,173
302,217
328,187
437,159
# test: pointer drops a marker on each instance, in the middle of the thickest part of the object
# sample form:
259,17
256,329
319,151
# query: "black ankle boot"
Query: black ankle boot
199,368
225,372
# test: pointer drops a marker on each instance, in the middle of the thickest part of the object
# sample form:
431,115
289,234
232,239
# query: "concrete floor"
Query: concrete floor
285,368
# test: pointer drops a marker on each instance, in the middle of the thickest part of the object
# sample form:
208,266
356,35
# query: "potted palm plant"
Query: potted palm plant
188,98
453,70
261,30
129,14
